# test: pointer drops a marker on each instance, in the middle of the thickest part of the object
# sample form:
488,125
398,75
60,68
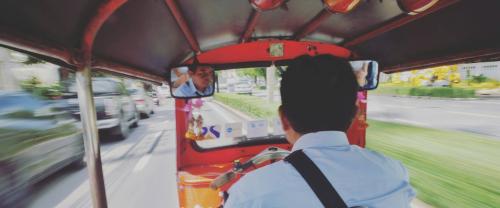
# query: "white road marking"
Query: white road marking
117,152
145,159
142,163
83,189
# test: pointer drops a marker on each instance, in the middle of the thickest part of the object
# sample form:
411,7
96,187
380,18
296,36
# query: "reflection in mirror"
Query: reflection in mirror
366,72
192,81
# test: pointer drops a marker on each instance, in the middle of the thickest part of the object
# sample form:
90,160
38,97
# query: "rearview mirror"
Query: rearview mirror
193,81
366,72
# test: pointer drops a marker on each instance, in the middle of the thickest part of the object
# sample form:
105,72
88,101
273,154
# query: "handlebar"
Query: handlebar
271,153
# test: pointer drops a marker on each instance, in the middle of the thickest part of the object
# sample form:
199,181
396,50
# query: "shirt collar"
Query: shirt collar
321,139
191,86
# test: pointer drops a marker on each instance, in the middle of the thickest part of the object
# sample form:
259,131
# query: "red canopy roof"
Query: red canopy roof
143,38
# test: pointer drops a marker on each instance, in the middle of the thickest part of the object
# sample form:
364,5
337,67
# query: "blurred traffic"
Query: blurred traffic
40,129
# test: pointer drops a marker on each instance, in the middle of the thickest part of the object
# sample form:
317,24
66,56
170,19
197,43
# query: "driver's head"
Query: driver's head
318,93
201,76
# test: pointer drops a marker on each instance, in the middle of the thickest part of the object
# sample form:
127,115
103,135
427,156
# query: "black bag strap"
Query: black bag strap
316,180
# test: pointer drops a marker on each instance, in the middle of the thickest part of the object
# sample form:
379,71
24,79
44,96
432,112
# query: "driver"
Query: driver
199,84
318,96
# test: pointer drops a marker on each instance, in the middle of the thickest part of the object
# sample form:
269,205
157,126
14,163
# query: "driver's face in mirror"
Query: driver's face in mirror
194,82
202,77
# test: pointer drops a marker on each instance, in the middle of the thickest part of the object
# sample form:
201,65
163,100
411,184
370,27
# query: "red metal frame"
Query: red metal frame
92,147
196,169
252,22
188,156
183,25
94,25
405,19
258,51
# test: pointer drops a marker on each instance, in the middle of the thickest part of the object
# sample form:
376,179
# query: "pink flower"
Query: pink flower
197,103
361,97
188,107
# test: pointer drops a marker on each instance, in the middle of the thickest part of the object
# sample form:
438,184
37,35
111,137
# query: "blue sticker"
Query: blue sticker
204,131
214,132
229,130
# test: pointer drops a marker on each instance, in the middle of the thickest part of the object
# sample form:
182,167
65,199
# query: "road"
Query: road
139,171
481,116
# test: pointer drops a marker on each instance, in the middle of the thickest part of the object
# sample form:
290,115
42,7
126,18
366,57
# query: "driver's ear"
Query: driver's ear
284,120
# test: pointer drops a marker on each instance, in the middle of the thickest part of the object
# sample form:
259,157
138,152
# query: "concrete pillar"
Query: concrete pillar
271,83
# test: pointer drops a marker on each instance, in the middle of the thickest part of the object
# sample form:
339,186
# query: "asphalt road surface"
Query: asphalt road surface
480,116
138,171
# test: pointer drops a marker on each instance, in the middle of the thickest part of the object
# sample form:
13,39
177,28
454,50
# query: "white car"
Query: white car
243,88
143,101
163,92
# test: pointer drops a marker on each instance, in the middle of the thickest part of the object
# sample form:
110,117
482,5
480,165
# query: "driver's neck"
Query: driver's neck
292,136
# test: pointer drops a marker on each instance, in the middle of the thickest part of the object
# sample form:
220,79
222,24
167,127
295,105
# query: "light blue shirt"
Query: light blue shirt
360,176
189,90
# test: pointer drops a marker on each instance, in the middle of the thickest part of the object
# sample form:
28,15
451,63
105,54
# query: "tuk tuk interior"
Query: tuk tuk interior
144,39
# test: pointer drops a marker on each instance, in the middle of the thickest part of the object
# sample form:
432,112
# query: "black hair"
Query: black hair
193,66
318,93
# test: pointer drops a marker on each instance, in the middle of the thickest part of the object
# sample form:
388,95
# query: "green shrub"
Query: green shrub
34,86
447,168
251,105
447,92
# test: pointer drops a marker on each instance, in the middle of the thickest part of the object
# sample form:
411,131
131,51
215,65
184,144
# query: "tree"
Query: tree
35,87
31,84
253,72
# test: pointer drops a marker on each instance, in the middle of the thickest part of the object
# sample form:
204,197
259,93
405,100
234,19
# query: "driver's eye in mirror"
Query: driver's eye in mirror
366,72
192,81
